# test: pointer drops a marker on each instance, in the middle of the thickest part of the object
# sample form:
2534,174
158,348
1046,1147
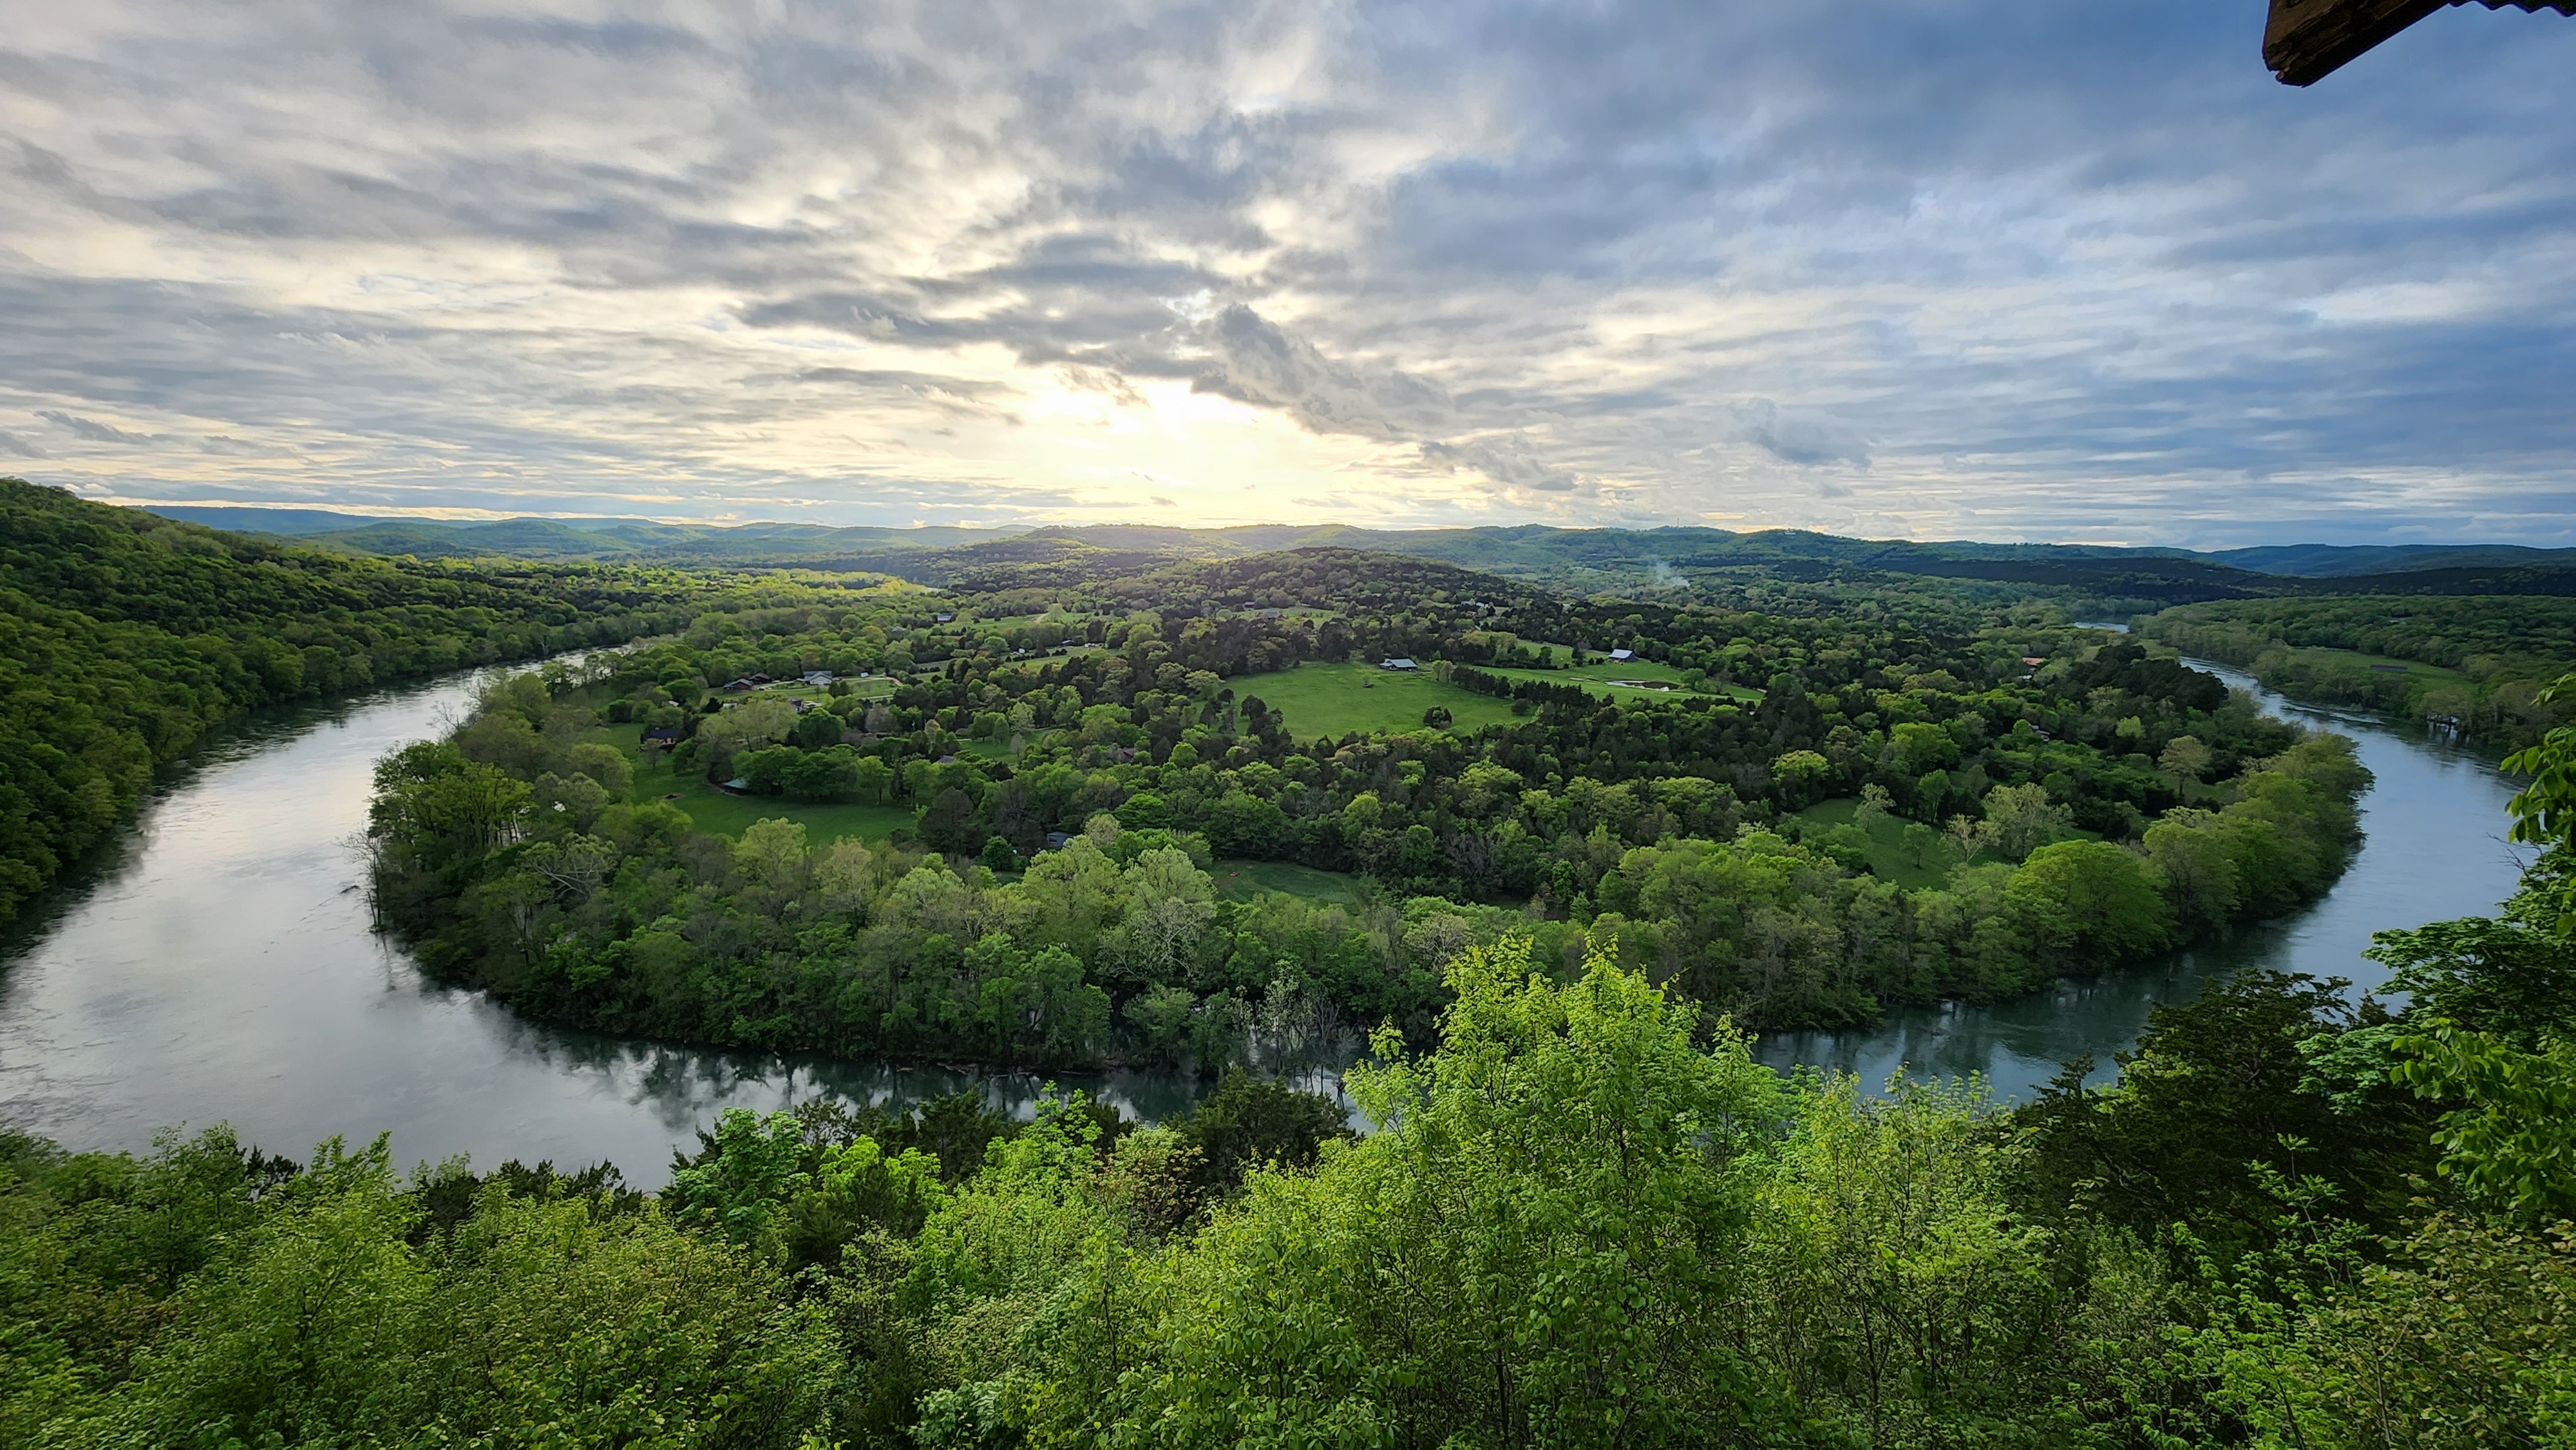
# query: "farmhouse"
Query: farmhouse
1622,654
1397,663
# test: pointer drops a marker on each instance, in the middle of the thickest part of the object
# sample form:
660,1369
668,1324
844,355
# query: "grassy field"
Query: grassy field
2414,671
1243,880
1597,677
1340,698
1888,860
710,809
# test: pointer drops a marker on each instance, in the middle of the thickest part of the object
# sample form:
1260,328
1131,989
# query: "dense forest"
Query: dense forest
1599,841
2018,801
125,636
1582,1216
2491,655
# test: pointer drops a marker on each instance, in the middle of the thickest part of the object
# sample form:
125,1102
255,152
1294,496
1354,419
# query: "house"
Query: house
736,786
1058,840
802,705
1622,654
662,735
2034,661
942,618
759,679
741,687
817,677
1397,663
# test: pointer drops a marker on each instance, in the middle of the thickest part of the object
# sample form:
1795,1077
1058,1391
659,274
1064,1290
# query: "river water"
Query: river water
217,962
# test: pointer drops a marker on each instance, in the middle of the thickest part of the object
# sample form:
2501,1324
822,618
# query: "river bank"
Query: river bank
219,961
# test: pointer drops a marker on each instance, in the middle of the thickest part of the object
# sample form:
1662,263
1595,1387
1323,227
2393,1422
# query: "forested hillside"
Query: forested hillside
2484,658
125,636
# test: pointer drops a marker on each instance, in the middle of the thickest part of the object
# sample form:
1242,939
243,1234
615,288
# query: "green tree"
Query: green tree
2092,901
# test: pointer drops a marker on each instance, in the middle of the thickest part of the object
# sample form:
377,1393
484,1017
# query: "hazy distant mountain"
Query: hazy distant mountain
2331,561
1584,560
293,522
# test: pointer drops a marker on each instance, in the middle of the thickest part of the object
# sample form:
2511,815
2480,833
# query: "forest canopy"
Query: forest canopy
1798,820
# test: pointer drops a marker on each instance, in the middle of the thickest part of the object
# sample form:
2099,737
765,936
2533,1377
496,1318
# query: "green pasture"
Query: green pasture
1340,698
1597,675
1888,859
2354,661
710,809
1243,880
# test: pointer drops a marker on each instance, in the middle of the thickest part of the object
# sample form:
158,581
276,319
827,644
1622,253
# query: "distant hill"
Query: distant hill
289,522
1582,560
2334,561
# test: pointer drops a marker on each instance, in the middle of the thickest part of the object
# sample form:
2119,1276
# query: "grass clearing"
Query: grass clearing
1889,860
713,811
2320,656
1599,676
1341,698
1243,880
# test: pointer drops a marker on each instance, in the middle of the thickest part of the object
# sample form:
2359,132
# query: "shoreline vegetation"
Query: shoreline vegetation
126,637
1585,1218
2474,665
1006,858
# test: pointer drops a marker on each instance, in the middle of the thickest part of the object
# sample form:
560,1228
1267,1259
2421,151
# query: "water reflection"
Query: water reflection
216,959
2435,849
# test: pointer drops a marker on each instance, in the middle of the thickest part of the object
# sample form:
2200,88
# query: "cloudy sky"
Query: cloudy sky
2003,269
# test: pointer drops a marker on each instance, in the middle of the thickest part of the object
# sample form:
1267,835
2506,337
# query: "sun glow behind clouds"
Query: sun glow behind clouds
1977,268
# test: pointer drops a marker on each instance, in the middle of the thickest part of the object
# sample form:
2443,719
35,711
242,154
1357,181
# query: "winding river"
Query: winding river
216,961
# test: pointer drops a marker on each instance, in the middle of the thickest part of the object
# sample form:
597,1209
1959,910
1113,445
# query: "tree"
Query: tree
999,856
2092,900
2020,819
2186,758
1170,902
1437,717
1560,1190
1797,773
2544,811
948,822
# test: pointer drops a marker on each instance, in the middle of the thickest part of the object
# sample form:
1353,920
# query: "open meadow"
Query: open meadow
1340,698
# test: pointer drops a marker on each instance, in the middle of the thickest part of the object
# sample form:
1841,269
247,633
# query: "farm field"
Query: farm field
1338,698
1598,675
1243,880
2415,671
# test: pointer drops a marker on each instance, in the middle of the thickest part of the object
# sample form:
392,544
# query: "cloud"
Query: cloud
11,443
1799,437
1508,461
92,429
2036,270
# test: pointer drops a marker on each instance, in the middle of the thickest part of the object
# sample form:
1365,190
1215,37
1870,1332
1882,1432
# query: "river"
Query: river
216,961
